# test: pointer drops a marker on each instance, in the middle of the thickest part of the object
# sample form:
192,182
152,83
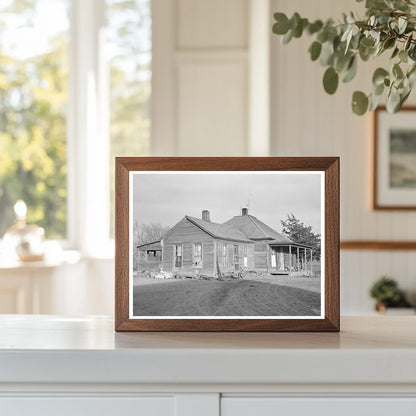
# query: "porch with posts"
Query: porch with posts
290,259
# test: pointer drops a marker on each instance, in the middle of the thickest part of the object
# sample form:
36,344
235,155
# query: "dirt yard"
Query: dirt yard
266,296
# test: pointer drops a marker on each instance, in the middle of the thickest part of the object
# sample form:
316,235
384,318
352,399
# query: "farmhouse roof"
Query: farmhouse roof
221,231
155,245
255,229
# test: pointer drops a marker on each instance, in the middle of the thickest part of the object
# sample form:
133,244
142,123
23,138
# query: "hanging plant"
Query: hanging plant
389,27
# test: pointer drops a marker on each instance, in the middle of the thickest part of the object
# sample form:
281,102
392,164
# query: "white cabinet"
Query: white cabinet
79,366
88,406
271,406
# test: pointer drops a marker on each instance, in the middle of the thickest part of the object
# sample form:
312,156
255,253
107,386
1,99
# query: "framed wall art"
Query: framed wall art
227,244
394,178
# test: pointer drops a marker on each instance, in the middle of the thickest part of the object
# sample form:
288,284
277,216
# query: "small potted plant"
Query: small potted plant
387,294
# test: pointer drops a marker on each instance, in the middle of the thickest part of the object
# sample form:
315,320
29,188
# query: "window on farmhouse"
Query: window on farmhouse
197,260
224,255
178,256
235,253
33,106
245,256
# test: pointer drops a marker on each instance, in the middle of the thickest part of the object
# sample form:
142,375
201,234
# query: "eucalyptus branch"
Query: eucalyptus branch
389,25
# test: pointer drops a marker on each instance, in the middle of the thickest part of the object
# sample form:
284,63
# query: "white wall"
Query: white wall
202,84
211,92
215,72
308,122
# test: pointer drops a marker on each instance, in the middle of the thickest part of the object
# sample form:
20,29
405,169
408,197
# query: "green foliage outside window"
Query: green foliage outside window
34,103
129,40
33,100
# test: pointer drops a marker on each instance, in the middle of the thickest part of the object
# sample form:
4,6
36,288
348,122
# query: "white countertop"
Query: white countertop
53,349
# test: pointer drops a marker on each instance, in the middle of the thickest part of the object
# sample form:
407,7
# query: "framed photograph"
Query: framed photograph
227,244
394,159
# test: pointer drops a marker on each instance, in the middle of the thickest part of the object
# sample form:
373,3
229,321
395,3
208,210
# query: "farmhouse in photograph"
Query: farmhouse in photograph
199,246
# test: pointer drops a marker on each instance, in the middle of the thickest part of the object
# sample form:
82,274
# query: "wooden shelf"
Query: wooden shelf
378,245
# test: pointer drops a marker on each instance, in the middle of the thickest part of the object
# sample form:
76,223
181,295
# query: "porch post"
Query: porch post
290,258
311,259
297,258
304,256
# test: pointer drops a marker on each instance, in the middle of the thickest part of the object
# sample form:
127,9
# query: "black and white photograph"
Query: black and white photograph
226,244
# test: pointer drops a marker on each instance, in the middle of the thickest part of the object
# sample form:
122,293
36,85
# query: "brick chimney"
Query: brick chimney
205,215
244,211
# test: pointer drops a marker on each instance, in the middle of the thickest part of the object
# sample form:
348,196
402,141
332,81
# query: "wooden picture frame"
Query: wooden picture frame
390,191
129,168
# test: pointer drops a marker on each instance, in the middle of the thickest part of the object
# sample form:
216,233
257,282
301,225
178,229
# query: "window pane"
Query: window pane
33,100
129,46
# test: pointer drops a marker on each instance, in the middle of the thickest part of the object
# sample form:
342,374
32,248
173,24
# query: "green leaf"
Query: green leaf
400,5
298,30
366,53
408,42
393,101
359,103
402,24
288,37
315,50
412,70
366,48
403,96
351,71
327,53
389,43
411,76
294,20
367,42
355,41
376,4
395,52
378,89
412,52
314,27
403,56
330,80
342,62
379,75
281,27
322,36
348,35
397,71
374,101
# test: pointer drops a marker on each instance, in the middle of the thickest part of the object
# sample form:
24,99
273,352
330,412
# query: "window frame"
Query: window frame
176,257
87,132
225,255
194,255
87,128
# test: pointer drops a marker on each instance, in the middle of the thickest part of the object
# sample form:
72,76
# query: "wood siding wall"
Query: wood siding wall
186,234
231,265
